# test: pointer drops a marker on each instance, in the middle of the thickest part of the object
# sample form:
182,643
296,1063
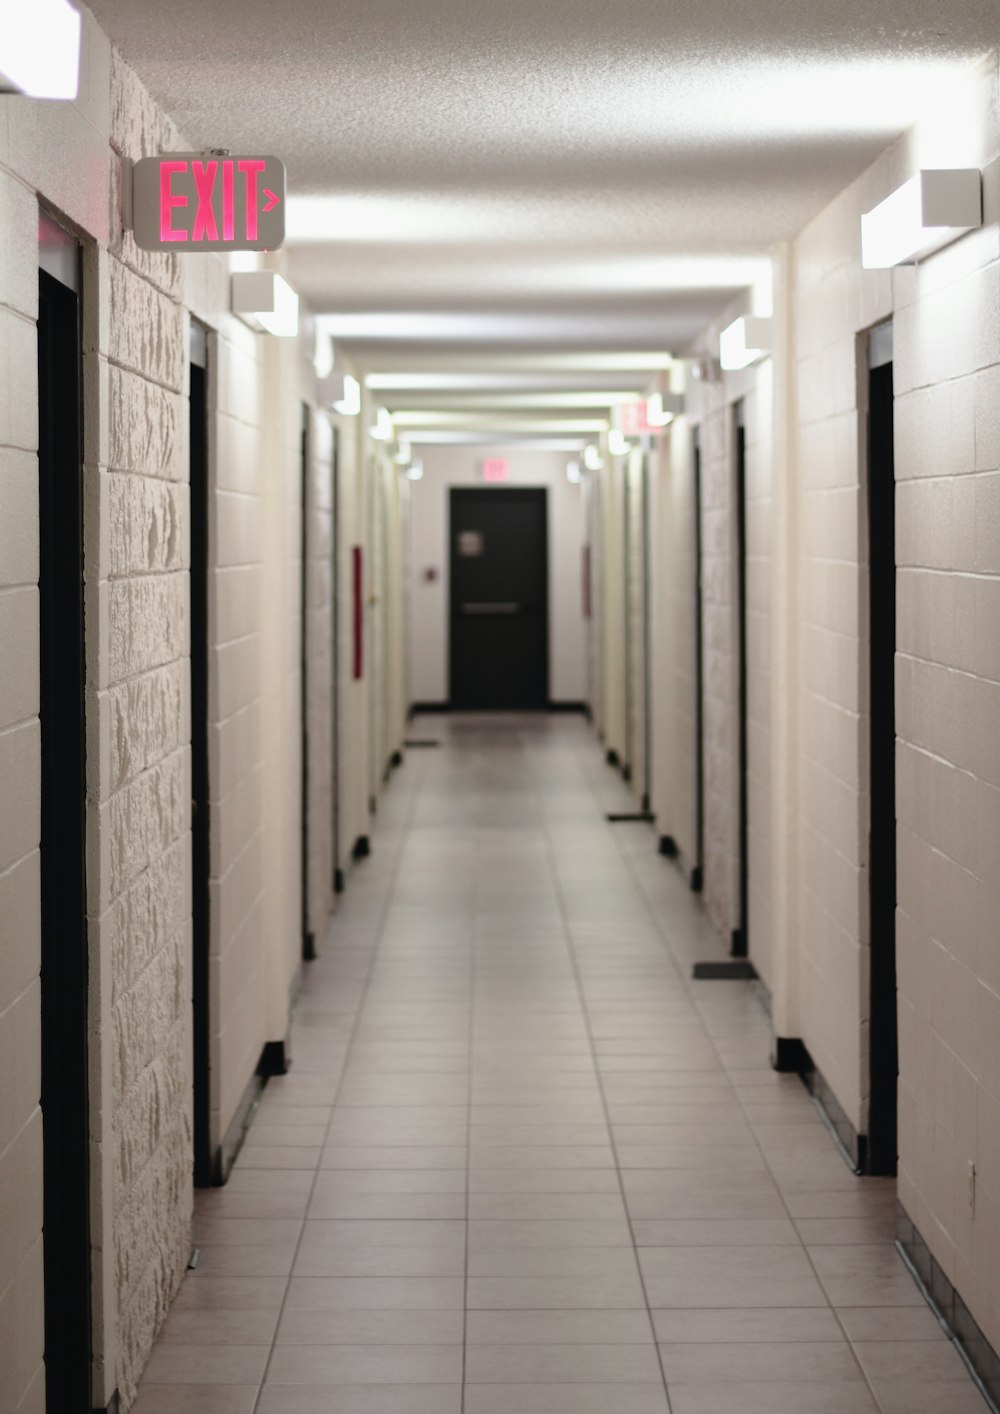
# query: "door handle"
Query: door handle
493,607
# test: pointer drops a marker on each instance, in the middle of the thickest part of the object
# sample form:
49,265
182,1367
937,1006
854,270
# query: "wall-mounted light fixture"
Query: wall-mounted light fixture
402,456
618,443
266,302
744,342
592,458
415,470
705,370
574,472
381,430
932,209
40,49
340,392
662,408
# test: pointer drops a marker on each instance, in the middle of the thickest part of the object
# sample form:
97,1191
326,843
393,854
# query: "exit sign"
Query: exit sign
496,469
197,201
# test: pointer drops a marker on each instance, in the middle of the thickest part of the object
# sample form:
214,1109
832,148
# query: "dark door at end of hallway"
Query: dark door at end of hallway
499,599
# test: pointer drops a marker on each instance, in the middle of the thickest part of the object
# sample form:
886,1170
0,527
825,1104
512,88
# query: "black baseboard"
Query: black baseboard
738,946
338,881
362,847
980,1356
416,742
627,817
730,969
668,847
611,757
790,1055
697,879
309,947
626,772
417,707
580,707
235,1136
396,759
275,1059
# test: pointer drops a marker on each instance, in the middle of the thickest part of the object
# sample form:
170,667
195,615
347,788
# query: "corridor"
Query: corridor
521,1164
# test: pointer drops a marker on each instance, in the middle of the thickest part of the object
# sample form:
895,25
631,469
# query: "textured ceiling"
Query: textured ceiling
544,173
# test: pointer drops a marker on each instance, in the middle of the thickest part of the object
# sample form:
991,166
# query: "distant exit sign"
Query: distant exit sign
197,201
496,469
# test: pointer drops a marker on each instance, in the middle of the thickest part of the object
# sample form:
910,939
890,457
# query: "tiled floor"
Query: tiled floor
521,1164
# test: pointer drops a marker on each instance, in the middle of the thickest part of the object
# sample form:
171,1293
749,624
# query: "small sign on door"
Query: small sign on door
471,543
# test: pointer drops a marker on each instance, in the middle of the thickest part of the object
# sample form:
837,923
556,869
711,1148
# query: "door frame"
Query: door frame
741,932
65,1072
881,1148
206,1171
698,864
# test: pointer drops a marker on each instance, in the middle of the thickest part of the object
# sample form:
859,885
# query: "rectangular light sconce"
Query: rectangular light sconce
744,342
382,429
266,302
932,209
340,392
574,474
592,458
40,49
402,454
415,471
662,408
618,443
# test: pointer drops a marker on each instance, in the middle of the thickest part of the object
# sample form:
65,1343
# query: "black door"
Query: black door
499,599
205,1165
308,940
882,843
65,1110
741,933
698,866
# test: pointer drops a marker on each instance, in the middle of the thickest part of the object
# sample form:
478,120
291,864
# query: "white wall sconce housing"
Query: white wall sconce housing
381,430
39,48
402,455
662,408
592,458
929,211
574,473
340,392
266,302
618,443
744,342
415,471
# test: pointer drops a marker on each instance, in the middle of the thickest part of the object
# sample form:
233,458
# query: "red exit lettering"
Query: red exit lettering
229,176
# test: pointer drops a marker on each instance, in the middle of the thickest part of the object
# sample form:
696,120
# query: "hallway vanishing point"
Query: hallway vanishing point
521,1164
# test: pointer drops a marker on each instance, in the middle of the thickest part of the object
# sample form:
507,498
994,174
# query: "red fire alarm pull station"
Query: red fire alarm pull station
198,201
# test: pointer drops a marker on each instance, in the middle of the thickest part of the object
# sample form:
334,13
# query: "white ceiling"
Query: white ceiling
503,175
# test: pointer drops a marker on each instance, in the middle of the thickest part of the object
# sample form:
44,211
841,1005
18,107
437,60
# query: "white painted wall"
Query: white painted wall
445,467
136,318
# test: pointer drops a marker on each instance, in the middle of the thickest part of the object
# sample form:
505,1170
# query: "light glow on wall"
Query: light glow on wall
592,458
744,342
266,302
39,48
933,208
415,471
618,443
574,473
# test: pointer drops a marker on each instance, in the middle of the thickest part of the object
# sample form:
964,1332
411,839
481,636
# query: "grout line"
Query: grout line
585,1014
383,912
640,887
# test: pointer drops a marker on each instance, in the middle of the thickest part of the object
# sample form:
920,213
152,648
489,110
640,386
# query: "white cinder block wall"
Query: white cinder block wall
137,309
808,709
